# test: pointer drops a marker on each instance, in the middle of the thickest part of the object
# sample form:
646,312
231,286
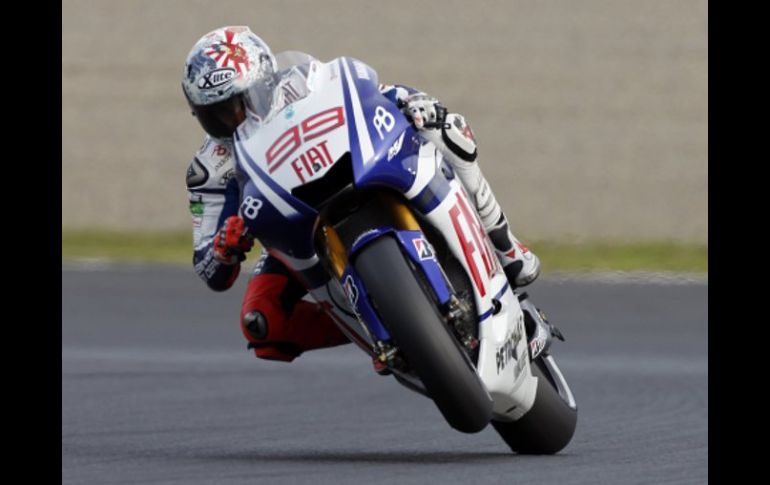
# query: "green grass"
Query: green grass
622,256
176,247
156,247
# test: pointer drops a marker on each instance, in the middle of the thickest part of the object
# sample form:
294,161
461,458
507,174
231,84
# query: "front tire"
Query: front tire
410,315
546,428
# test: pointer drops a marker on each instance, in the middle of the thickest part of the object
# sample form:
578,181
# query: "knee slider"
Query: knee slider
459,138
256,327
256,324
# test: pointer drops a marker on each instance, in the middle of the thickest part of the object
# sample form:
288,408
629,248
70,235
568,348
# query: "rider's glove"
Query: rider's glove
425,111
232,241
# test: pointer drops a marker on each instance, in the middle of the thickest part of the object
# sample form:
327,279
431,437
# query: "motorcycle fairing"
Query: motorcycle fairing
291,151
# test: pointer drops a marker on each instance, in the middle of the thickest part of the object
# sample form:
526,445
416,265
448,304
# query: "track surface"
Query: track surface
157,387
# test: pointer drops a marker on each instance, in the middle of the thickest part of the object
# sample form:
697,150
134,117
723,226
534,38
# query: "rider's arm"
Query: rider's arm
213,193
455,139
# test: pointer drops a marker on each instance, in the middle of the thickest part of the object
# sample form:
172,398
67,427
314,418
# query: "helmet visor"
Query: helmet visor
261,97
221,119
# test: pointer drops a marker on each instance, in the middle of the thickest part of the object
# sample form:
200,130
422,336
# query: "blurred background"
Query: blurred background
592,121
591,115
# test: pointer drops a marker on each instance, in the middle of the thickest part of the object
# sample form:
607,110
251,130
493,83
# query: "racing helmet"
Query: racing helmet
219,69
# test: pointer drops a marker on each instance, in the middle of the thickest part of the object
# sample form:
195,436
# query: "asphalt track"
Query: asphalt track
157,387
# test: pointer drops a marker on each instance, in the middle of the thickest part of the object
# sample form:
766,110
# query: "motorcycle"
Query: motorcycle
342,189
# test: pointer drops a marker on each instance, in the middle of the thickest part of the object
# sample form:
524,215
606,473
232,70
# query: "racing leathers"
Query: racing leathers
275,319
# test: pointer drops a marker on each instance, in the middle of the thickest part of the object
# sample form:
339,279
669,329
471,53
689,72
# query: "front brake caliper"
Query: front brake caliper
458,315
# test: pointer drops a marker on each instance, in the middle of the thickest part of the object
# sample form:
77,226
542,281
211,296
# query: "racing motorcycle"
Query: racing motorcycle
342,189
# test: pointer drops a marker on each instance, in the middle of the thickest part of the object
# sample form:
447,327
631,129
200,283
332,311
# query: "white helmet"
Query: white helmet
221,66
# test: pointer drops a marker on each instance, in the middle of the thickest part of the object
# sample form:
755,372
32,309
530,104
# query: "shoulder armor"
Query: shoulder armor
459,138
212,167
197,175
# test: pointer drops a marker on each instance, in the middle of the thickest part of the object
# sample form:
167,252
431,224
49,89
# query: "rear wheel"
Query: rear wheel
549,426
411,316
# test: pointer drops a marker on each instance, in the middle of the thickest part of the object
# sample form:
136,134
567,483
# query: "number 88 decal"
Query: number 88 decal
250,207
383,119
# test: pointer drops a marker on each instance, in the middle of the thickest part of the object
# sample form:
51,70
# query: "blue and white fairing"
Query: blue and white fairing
338,109
342,111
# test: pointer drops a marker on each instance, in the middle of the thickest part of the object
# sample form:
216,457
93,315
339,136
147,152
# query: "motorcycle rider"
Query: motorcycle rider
275,319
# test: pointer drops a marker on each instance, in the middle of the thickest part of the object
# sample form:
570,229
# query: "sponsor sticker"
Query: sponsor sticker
393,150
473,240
423,248
311,162
226,177
196,208
216,78
222,162
292,139
290,93
507,352
351,290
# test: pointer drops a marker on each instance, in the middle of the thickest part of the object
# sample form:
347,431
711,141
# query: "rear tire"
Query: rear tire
546,428
410,315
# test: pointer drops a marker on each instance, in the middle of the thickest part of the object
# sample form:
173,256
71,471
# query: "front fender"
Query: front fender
415,245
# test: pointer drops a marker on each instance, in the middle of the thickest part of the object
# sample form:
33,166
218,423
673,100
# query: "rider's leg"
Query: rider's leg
278,324
520,264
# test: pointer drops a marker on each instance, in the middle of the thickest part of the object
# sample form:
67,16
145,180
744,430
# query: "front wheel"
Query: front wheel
410,315
549,426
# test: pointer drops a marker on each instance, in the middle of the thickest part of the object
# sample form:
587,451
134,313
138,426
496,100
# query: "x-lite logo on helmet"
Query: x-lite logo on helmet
216,78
